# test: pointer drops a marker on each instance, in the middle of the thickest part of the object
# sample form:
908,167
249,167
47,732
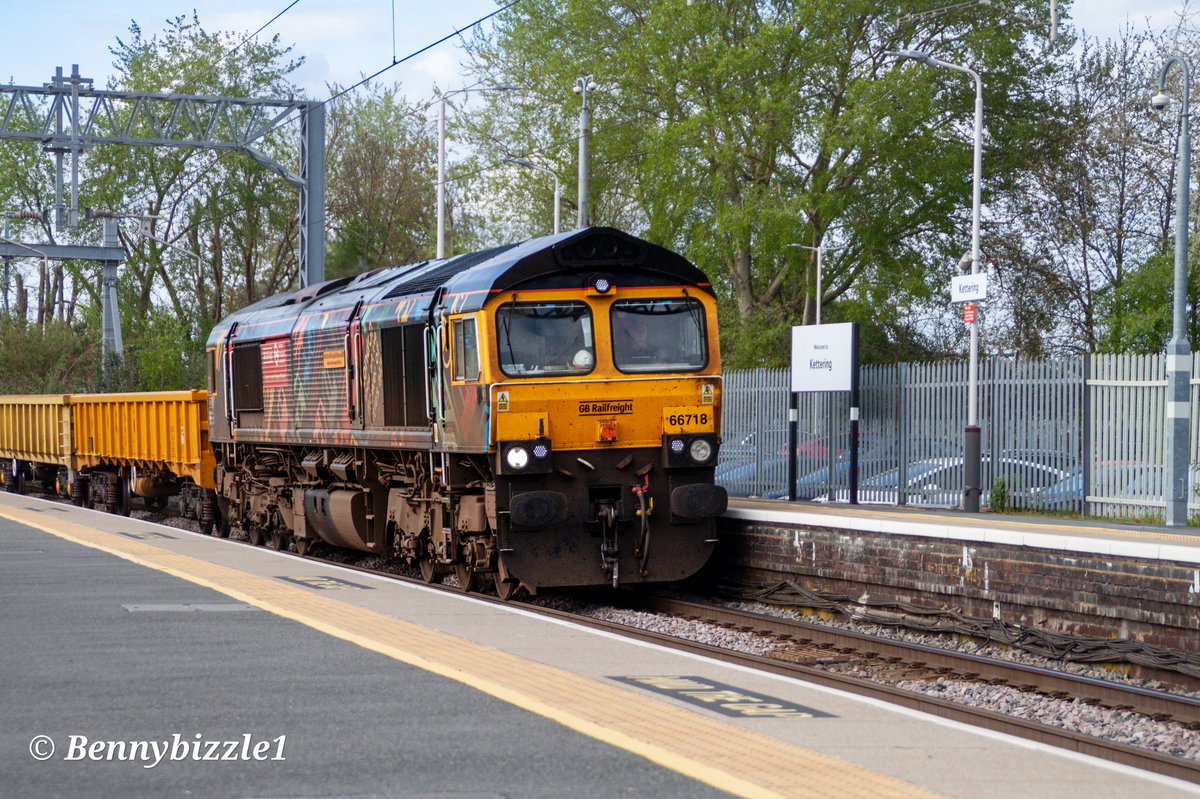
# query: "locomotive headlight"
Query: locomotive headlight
677,446
517,458
701,450
540,451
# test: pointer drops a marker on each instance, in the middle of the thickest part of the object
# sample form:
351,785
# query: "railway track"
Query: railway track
814,644
821,655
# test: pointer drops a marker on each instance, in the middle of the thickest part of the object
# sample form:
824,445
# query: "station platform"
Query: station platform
1078,577
1084,536
132,653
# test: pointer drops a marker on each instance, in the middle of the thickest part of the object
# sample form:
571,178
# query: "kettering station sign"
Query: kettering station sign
823,357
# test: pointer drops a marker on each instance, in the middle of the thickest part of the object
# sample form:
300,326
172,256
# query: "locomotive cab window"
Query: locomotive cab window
466,349
658,335
545,338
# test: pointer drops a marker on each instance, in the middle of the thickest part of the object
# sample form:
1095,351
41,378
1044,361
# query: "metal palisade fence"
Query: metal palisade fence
1081,434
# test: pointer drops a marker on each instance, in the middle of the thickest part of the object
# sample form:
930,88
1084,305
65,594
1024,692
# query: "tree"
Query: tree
218,230
730,130
381,170
1088,211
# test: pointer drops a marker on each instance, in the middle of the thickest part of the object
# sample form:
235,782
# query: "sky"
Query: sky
342,40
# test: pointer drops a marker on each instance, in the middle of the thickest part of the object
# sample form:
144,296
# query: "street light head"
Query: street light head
1159,102
578,87
592,86
912,55
525,162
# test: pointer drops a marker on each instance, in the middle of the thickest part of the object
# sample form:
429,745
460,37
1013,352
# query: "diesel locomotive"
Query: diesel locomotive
544,414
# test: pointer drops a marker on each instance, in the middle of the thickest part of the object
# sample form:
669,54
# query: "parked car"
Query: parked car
816,478
938,482
1119,480
769,479
875,455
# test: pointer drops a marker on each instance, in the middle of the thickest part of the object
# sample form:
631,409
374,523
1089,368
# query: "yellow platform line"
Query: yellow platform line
723,756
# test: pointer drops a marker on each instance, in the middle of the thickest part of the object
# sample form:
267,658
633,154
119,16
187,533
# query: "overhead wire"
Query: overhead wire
260,30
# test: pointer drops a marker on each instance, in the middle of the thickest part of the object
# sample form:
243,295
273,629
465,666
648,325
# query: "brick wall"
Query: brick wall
1068,592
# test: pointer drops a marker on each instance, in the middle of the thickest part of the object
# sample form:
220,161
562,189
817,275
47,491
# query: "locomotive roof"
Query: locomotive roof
402,293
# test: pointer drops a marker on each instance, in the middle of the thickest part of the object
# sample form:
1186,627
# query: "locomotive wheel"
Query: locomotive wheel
429,571
223,526
256,535
303,546
208,526
468,580
506,589
277,540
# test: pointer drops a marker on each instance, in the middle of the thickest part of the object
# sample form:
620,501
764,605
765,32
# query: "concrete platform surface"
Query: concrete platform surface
316,681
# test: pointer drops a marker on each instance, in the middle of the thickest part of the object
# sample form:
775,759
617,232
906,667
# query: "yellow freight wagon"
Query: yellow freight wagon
151,445
35,439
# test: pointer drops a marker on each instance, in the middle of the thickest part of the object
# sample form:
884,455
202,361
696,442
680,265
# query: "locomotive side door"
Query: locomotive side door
435,354
354,364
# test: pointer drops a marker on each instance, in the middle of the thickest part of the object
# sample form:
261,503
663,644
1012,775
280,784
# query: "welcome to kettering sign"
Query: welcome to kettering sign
823,357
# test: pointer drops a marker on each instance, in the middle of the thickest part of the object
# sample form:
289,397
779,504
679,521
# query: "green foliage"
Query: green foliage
57,359
998,501
730,130
1138,311
381,161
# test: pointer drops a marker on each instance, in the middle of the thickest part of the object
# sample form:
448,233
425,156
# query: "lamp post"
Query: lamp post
582,87
1179,352
441,169
819,249
527,164
971,461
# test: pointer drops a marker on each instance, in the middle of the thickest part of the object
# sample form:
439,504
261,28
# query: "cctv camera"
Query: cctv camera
1160,101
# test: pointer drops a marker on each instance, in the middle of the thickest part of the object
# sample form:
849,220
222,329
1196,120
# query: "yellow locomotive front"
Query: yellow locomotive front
604,424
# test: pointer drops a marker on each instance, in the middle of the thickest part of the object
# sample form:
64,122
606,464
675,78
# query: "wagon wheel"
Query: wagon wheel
124,495
429,571
277,540
468,580
256,535
507,589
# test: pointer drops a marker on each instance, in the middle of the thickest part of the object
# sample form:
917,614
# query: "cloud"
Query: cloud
441,68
